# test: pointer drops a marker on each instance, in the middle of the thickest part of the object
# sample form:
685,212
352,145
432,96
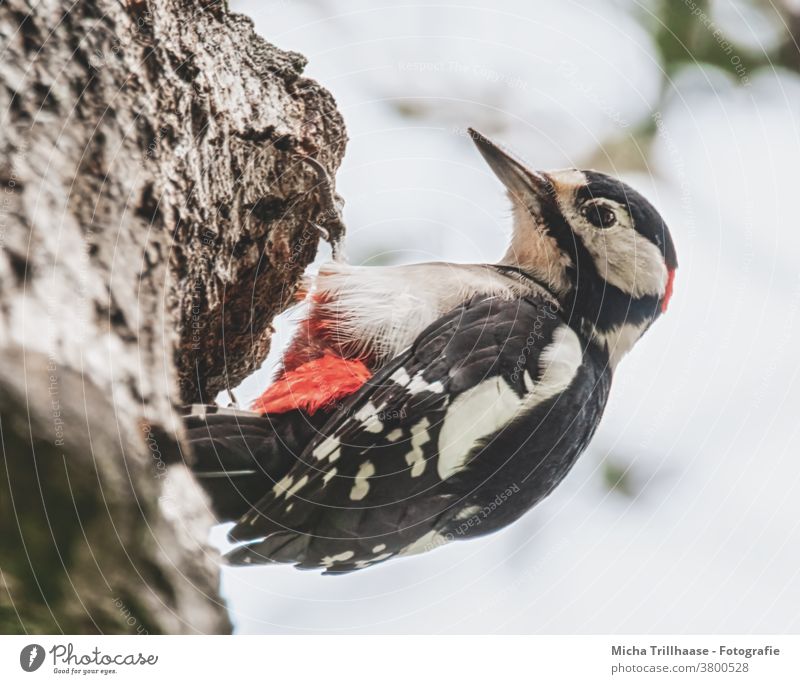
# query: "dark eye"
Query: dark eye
599,215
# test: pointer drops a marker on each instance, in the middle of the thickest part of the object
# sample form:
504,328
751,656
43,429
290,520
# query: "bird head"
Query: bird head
598,245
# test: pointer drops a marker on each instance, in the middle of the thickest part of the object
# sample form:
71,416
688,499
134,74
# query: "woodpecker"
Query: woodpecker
428,403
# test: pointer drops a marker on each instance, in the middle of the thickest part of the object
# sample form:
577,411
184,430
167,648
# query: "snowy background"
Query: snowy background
684,514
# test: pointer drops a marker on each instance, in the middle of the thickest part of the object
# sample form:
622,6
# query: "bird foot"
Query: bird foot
329,221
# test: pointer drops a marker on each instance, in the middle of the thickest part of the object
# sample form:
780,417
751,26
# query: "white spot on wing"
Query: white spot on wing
419,436
486,408
558,364
361,486
282,485
297,486
419,384
328,561
367,415
467,512
473,415
328,476
366,563
394,435
378,548
427,542
400,377
365,412
326,448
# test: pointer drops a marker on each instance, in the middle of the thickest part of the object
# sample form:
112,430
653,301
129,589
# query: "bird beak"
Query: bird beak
523,184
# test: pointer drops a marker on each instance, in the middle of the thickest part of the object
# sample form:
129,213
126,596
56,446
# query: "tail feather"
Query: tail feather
279,547
239,455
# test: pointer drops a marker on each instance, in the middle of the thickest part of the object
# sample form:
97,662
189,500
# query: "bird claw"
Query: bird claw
330,222
326,235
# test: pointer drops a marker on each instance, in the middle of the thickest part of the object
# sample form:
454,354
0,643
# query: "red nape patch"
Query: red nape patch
668,291
313,385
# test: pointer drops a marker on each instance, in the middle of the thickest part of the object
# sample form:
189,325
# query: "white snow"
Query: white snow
703,412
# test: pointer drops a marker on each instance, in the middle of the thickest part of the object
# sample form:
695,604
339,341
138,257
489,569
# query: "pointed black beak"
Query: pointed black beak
520,181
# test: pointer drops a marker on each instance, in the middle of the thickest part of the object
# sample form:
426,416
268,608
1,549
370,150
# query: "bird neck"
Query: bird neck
525,276
614,341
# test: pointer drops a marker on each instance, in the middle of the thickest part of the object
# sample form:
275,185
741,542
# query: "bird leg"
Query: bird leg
330,222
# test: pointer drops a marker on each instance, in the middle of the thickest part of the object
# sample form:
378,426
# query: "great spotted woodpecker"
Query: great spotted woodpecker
433,402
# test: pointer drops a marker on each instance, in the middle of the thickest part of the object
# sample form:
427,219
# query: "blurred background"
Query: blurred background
684,514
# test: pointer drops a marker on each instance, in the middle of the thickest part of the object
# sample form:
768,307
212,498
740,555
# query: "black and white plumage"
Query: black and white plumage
489,382
238,455
479,404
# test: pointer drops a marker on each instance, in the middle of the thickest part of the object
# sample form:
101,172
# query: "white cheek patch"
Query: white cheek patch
623,257
628,261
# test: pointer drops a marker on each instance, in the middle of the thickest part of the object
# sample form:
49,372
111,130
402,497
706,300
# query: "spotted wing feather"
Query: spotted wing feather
378,478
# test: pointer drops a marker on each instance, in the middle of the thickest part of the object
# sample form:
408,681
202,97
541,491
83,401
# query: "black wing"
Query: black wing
379,478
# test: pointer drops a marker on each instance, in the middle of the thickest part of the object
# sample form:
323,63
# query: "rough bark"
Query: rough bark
154,217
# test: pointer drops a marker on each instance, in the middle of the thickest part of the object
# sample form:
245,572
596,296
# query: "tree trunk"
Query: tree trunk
154,217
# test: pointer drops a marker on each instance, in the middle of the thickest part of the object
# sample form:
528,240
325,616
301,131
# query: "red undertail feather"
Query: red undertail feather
313,385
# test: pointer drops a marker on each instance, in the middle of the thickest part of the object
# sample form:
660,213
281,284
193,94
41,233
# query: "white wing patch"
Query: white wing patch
418,384
558,365
400,376
366,563
288,487
486,408
326,449
368,416
475,414
281,486
297,486
467,512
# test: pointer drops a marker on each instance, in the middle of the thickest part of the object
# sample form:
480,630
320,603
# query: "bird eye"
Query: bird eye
599,215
